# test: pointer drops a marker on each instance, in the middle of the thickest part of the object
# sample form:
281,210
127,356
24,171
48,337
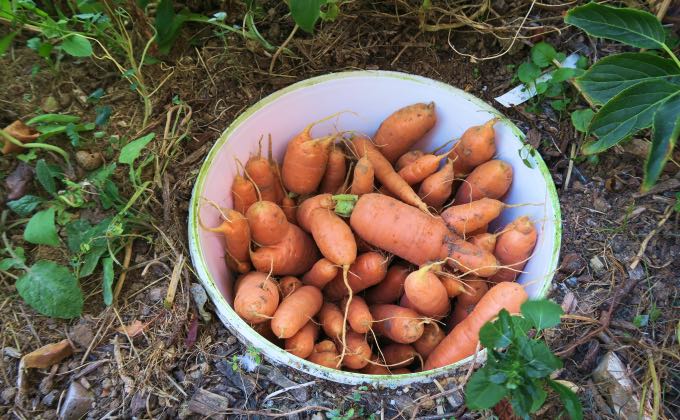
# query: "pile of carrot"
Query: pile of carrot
370,256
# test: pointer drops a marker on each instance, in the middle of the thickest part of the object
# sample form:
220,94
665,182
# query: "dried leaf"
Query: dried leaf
48,355
134,329
18,181
192,332
21,132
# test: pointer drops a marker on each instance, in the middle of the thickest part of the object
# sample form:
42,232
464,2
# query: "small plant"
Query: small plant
306,13
518,367
634,90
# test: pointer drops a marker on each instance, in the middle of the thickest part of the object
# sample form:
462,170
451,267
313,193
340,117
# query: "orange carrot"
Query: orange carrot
358,315
400,371
268,223
321,273
260,172
462,341
453,286
469,258
296,310
257,298
305,161
437,188
237,238
367,270
335,172
243,193
486,241
402,129
404,302
425,166
280,192
325,345
302,343
407,158
432,336
288,285
376,367
358,352
391,288
467,300
401,325
513,248
363,180
294,255
399,355
305,209
331,319
476,146
325,354
265,330
289,209
468,217
427,293
333,237
385,173
491,179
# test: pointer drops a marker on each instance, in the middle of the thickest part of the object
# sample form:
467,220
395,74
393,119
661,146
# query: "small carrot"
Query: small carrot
289,209
295,311
425,166
391,288
243,192
476,146
403,128
305,161
468,217
333,237
513,248
398,355
437,188
294,255
302,343
466,301
321,273
280,192
401,325
454,287
363,180
361,146
260,172
357,352
486,241
432,336
367,270
257,298
268,223
288,285
237,238
329,359
469,258
427,293
375,367
358,315
491,179
331,320
407,158
335,172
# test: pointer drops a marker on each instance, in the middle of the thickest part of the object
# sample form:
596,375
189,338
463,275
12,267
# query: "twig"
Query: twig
449,398
650,235
174,280
281,391
567,178
656,388
123,274
281,48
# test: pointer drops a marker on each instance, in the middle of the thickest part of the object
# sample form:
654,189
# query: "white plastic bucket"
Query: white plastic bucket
372,95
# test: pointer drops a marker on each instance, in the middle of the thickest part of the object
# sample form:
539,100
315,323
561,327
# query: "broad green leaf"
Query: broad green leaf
560,104
581,119
167,24
631,26
306,12
542,313
45,176
497,334
666,129
542,54
562,74
19,261
53,119
40,229
626,113
51,289
481,393
528,72
6,41
570,400
540,361
25,205
81,236
131,151
614,73
520,326
90,260
107,280
77,46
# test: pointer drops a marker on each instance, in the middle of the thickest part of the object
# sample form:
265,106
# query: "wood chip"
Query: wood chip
47,355
208,404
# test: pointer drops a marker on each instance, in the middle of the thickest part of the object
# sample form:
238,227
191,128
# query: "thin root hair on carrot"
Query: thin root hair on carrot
345,270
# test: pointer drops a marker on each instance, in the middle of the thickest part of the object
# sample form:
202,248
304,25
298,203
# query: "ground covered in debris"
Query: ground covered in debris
142,358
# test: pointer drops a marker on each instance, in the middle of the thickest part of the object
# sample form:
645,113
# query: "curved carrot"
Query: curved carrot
357,352
302,343
268,223
513,248
403,128
295,311
453,286
333,237
260,172
294,255
432,336
425,166
486,241
437,188
243,193
462,341
331,320
367,270
407,158
305,209
391,288
401,325
305,161
236,233
257,298
358,315
476,146
427,293
468,217
363,180
335,172
361,146
491,179
399,355
321,273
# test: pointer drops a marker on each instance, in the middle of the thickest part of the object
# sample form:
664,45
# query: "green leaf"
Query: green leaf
107,281
542,54
562,74
103,114
665,132
520,326
581,119
72,134
560,104
306,12
542,313
528,72
19,261
40,229
539,360
497,334
626,113
614,73
90,260
570,400
481,393
131,151
53,119
77,46
167,25
51,289
45,176
6,41
541,87
641,320
25,205
554,88
81,235
631,26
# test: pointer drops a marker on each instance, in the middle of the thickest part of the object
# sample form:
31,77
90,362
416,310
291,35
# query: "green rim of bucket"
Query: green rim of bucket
274,353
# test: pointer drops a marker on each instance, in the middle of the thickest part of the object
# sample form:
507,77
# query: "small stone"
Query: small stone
82,335
231,341
636,274
614,383
77,402
7,395
50,398
50,105
600,204
597,265
156,294
64,100
89,161
571,281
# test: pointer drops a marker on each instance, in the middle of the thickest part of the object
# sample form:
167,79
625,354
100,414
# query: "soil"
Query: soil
181,365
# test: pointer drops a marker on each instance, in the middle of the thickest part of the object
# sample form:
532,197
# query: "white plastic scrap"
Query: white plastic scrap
521,93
